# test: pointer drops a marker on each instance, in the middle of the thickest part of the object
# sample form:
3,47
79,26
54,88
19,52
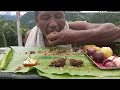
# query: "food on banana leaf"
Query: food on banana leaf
110,64
117,61
57,51
75,63
30,52
107,51
58,62
47,52
86,47
112,57
6,59
30,62
86,70
98,56
76,50
19,68
91,51
103,57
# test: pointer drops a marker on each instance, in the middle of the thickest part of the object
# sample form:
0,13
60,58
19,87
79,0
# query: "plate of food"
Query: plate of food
102,57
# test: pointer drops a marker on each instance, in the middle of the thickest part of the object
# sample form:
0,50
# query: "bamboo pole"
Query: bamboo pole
19,29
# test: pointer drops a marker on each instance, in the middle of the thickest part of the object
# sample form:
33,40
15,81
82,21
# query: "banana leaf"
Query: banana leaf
1,57
18,57
68,76
87,70
6,58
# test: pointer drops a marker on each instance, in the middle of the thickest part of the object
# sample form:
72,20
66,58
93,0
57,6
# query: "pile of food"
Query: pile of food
28,63
51,34
103,57
62,61
56,51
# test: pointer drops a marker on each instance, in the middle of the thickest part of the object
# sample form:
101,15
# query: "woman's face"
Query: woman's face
49,21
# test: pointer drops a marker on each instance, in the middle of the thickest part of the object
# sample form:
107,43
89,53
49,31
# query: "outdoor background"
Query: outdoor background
8,25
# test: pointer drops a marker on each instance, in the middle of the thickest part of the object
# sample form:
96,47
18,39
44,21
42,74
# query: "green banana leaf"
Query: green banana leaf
18,57
87,70
68,76
6,58
1,57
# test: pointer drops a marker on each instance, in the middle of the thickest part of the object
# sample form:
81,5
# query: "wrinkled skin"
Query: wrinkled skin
62,38
49,21
88,33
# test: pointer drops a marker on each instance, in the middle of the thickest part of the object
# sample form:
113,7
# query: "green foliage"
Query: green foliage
111,17
106,18
8,33
95,17
8,28
28,19
71,16
2,43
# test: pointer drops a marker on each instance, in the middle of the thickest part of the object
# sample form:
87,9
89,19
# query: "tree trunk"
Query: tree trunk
19,29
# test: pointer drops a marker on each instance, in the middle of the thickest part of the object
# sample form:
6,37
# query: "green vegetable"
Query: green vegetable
6,59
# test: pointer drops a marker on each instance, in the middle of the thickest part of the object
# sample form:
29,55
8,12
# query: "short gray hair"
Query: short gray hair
37,12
